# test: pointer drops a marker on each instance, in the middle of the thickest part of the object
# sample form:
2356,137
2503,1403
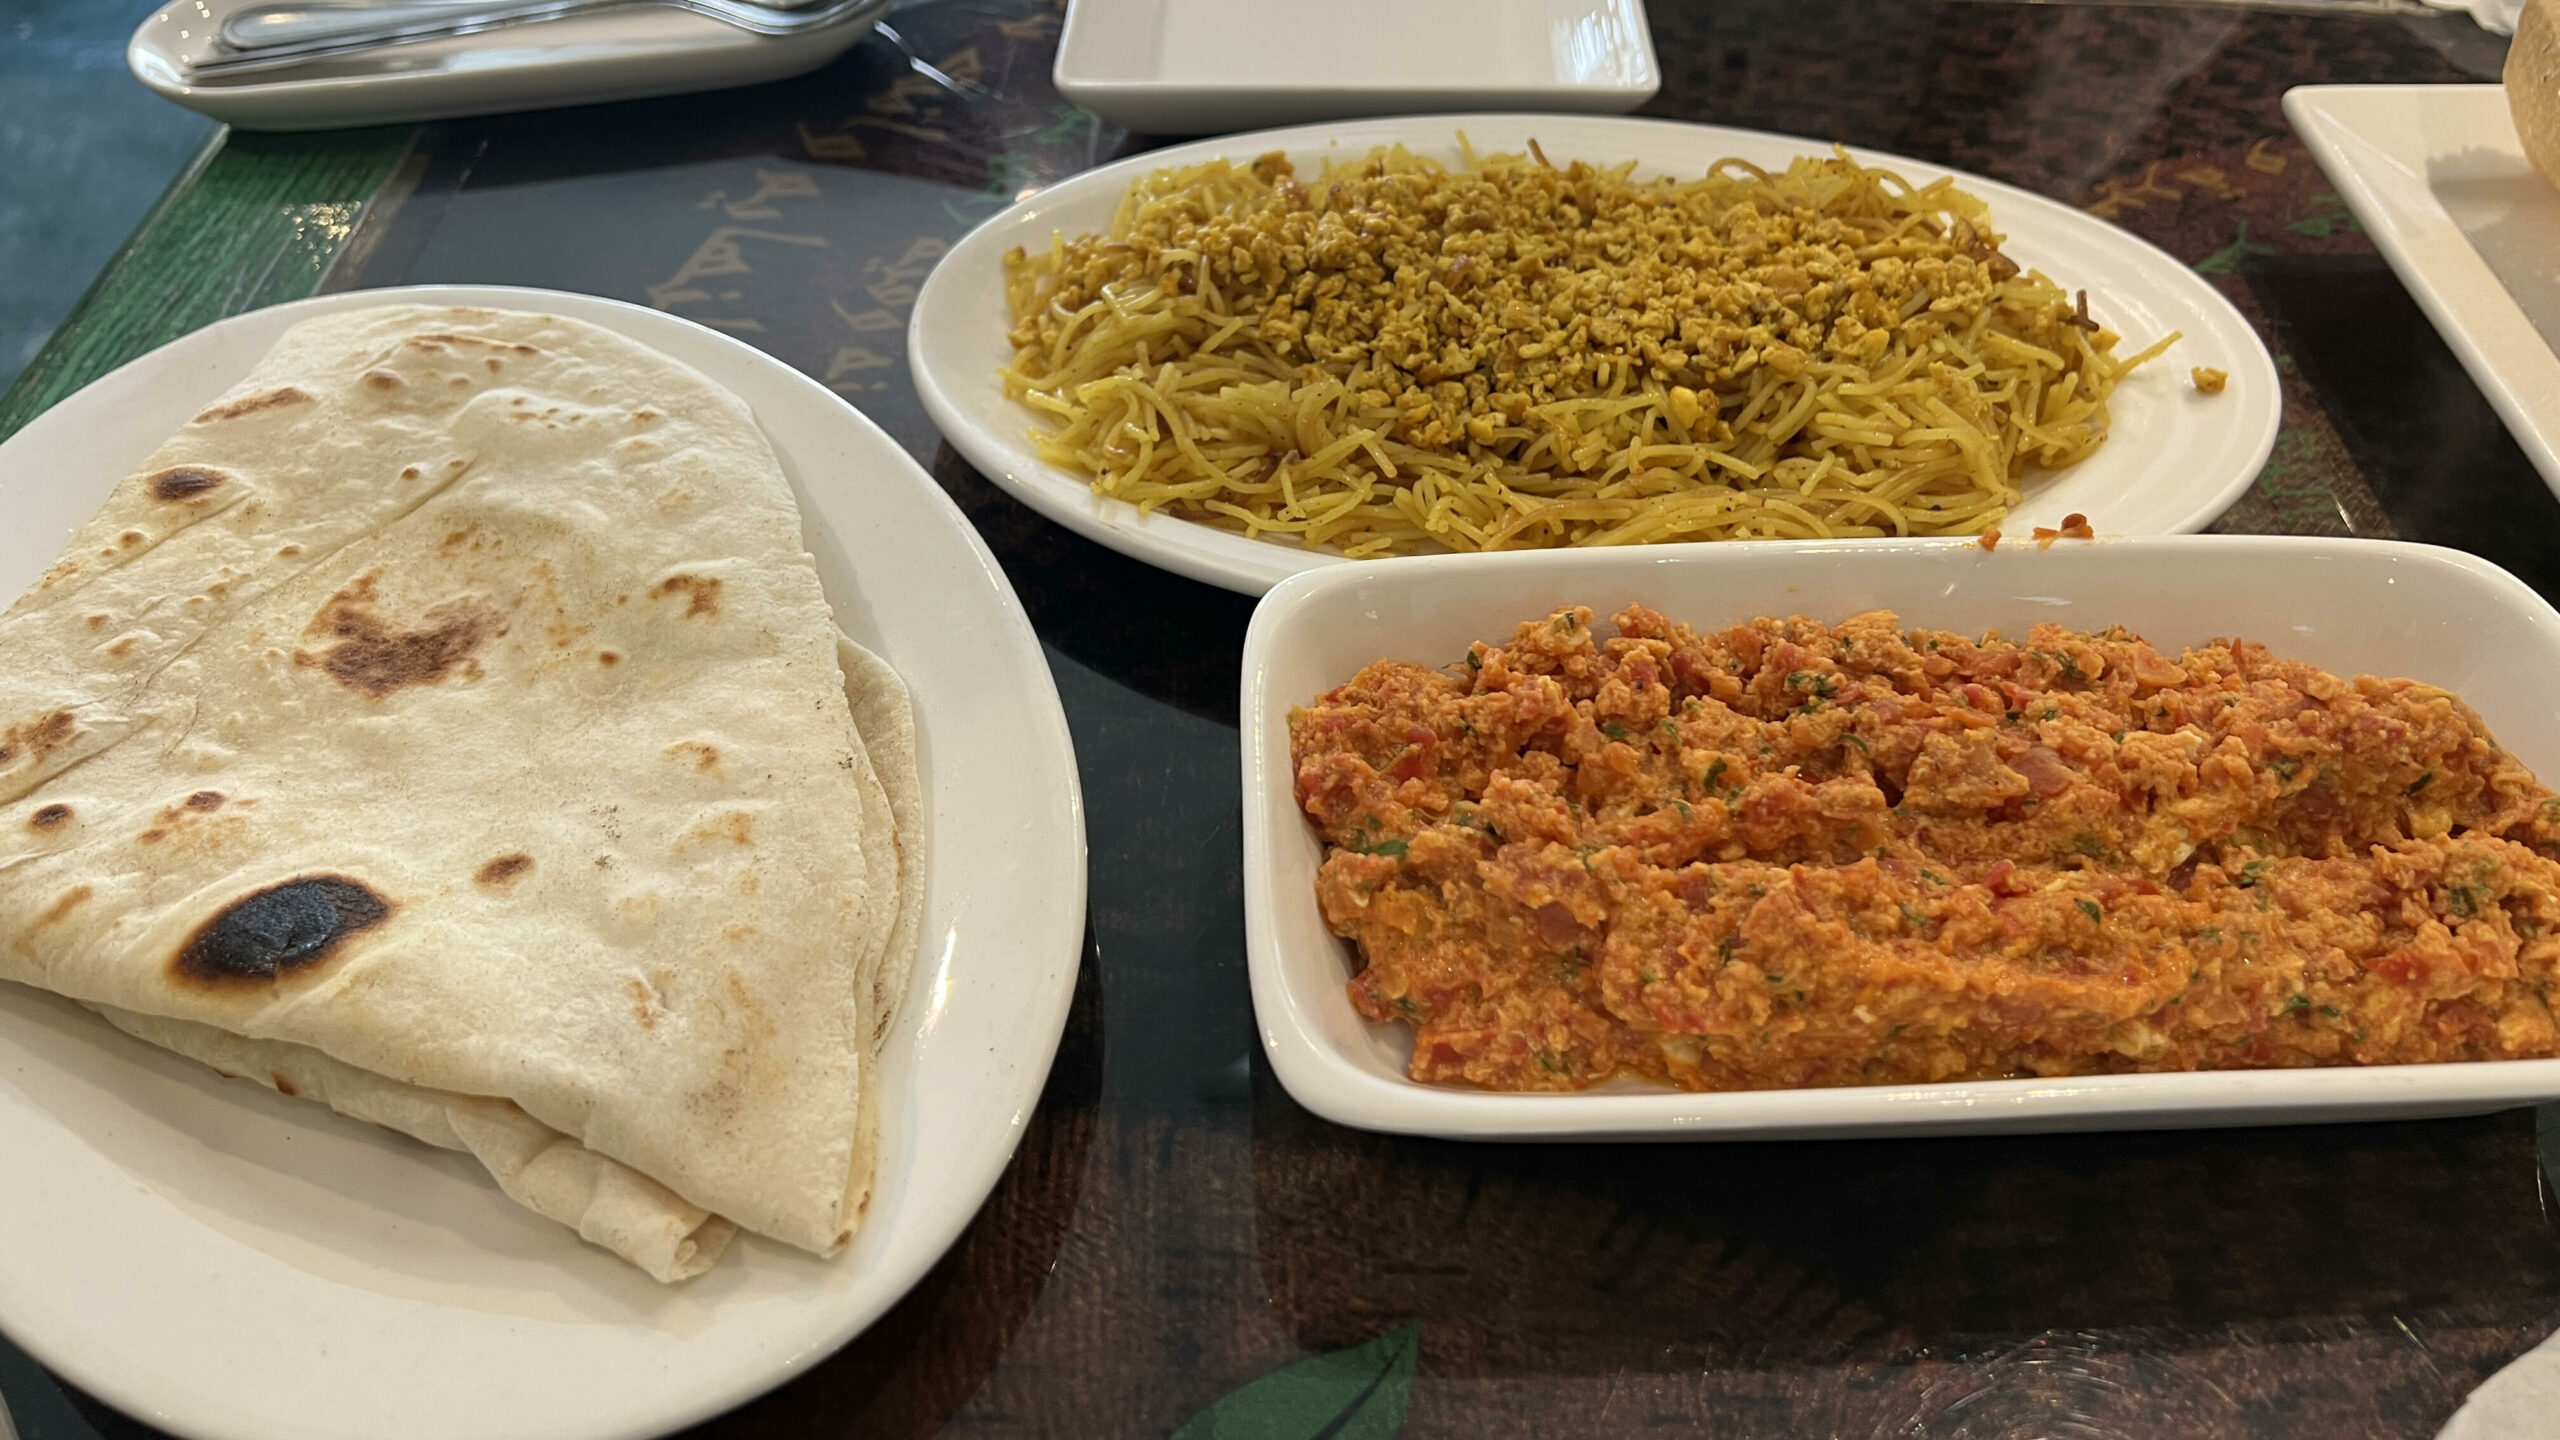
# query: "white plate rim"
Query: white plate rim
2348,131
1320,1076
957,390
1056,904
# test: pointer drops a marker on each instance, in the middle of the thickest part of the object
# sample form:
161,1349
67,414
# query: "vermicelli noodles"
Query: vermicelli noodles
1402,357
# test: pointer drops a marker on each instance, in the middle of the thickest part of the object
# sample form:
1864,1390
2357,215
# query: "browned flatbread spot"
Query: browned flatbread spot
205,800
283,1086
183,482
644,1001
736,827
504,869
153,836
50,817
252,404
70,901
364,652
122,645
383,380
286,927
409,472
703,755
703,592
748,1006
130,538
607,657
36,739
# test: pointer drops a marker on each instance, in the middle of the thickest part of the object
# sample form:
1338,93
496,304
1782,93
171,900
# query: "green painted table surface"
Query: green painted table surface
1178,1248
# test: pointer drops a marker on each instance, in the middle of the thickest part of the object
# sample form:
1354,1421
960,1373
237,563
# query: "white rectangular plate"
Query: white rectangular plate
2436,176
1199,67
614,54
2377,607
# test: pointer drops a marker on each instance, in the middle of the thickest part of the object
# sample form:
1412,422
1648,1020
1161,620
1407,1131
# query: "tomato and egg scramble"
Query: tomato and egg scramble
1789,854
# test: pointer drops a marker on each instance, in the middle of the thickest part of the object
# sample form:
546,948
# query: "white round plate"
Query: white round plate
2175,460
223,1262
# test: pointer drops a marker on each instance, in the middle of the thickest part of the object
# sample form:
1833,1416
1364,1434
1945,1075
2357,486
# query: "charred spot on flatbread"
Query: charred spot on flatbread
504,870
181,483
204,800
35,739
367,653
702,593
289,926
252,404
51,817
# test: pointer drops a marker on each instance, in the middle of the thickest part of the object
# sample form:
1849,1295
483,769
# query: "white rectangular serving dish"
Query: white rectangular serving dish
1204,67
2379,607
2438,179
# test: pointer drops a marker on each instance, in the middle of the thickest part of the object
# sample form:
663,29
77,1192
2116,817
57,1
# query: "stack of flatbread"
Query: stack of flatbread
446,725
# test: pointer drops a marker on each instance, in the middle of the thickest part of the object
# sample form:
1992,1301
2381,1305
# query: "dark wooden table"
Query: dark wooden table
1175,1231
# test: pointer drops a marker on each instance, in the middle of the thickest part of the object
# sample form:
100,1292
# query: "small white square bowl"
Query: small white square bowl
1206,67
2371,607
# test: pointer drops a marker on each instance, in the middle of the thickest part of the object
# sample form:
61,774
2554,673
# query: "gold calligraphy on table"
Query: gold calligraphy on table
724,252
892,291
889,285
2115,197
910,107
771,185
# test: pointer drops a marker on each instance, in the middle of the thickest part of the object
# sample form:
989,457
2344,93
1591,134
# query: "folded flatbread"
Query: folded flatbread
607,1203
447,722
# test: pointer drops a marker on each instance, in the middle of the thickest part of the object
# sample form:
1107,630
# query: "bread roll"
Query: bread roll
2533,84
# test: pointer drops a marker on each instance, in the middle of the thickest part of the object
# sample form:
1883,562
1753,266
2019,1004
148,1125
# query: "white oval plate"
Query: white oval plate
223,1262
2352,606
2176,460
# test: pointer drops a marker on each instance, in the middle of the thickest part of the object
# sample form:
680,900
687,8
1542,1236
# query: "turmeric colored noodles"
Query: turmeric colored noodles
1399,356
